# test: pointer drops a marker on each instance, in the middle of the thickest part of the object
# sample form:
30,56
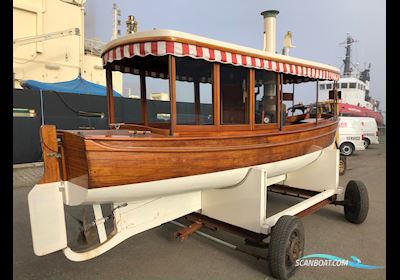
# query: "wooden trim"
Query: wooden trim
110,97
267,126
172,90
196,128
143,98
251,96
212,46
134,126
109,146
197,101
233,127
216,95
299,126
297,118
278,100
50,154
291,129
293,99
64,175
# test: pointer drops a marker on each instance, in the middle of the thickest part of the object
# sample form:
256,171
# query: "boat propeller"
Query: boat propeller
88,230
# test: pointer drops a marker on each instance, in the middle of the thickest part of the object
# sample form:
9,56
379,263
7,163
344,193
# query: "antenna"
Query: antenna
347,61
116,22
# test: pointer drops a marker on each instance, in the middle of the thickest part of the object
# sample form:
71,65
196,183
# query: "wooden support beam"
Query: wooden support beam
197,101
252,98
50,154
216,95
184,233
172,91
143,98
279,100
110,97
313,208
293,99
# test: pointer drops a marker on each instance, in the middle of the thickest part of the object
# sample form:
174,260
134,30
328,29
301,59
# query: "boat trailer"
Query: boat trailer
240,209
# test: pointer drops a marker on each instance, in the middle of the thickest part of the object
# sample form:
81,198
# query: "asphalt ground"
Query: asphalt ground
154,255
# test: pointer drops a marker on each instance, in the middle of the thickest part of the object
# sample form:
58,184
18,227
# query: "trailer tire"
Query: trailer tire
347,149
342,165
356,202
366,143
286,246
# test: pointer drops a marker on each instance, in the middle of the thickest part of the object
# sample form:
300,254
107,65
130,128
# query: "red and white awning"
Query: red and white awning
161,48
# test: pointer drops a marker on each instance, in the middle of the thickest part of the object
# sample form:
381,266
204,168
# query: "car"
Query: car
350,136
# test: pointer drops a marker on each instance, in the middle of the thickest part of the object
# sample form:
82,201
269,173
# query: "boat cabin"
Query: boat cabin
225,88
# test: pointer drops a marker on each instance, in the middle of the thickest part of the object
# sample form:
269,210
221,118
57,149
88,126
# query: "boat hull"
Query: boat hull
77,195
120,161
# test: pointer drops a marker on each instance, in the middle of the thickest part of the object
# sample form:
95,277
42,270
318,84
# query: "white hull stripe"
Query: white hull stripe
161,48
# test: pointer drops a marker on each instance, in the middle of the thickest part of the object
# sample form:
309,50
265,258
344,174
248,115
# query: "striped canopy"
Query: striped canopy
147,45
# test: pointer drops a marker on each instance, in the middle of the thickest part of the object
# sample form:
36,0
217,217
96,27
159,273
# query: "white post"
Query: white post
270,30
101,229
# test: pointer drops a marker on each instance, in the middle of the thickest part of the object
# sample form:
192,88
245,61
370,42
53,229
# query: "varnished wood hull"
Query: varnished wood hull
114,161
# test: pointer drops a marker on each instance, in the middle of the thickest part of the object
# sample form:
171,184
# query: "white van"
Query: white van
369,128
350,136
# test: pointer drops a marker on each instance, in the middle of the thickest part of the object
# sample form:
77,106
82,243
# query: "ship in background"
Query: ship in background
355,99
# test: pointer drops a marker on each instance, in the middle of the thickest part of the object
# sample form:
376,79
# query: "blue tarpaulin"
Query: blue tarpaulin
78,85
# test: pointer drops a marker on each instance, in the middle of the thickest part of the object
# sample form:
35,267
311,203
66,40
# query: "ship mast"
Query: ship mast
347,69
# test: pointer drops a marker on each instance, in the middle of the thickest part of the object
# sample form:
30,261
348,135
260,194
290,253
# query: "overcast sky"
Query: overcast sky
317,27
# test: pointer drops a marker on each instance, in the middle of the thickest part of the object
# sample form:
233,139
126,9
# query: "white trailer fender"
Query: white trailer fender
46,211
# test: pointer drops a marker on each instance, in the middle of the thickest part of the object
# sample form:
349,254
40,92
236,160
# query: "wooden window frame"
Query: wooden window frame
236,127
202,127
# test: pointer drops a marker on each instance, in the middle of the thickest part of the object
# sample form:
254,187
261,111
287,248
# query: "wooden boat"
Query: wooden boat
146,152
221,138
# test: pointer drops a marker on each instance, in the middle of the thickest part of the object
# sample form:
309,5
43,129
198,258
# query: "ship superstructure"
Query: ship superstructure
354,86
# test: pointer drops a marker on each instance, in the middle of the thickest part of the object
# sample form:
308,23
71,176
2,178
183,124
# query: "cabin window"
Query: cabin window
194,104
321,87
328,86
358,86
146,77
265,97
158,103
127,106
352,85
234,90
343,85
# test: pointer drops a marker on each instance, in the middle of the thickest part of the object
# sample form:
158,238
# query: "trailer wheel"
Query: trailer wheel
366,143
346,149
342,165
356,202
286,246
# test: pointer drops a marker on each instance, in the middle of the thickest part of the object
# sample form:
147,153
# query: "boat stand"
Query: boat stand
137,217
245,205
240,209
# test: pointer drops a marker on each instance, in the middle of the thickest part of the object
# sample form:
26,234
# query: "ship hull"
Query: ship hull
356,111
98,162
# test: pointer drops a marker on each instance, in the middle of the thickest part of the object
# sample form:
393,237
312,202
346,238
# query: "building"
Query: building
57,57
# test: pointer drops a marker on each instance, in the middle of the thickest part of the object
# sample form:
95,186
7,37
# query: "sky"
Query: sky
318,28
